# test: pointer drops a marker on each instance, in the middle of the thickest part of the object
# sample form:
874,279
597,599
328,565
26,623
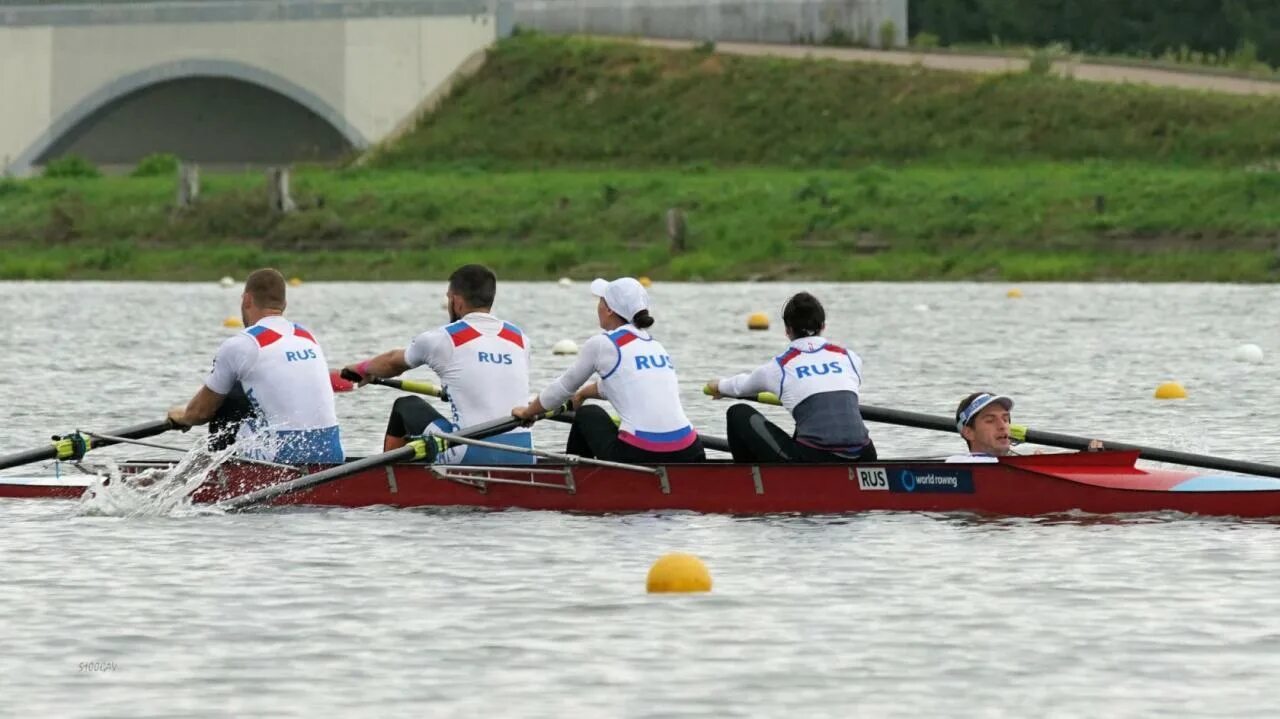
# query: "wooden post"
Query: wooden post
278,190
676,229
188,184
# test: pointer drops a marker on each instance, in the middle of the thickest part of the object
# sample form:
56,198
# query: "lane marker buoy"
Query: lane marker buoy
678,573
1171,390
758,321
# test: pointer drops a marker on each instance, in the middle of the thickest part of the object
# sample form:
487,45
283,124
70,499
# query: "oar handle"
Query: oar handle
346,381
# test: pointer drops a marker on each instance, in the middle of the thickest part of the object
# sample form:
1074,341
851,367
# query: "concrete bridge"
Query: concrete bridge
229,82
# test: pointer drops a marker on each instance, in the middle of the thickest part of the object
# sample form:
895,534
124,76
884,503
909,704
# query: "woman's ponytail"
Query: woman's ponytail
642,320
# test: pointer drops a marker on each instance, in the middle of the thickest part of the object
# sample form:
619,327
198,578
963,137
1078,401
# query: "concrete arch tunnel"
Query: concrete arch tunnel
213,111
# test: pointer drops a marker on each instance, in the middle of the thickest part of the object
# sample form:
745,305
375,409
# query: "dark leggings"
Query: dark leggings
595,435
410,417
755,440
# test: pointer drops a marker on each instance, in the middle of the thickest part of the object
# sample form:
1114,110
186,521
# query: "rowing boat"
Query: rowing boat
1101,483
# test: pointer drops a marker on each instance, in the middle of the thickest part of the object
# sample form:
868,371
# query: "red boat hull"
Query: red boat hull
1102,483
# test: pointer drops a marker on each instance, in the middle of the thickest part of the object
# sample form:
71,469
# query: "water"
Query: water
411,613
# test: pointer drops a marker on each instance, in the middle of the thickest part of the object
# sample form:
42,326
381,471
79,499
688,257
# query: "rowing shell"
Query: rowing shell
1101,483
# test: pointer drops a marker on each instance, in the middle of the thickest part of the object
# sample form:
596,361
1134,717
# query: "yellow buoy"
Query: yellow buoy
295,281
644,281
758,321
232,322
1014,293
677,572
1171,390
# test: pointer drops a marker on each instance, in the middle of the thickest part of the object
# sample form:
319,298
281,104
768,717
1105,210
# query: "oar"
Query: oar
1054,439
416,449
717,443
75,444
346,382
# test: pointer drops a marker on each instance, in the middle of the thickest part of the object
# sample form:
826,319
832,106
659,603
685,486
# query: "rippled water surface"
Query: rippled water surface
413,613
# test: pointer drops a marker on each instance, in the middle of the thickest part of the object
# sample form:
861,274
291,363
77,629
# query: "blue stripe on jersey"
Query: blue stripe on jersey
486,455
671,436
310,446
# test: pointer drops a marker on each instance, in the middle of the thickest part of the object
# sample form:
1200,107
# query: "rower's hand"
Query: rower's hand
178,416
579,398
352,373
1095,445
526,414
712,389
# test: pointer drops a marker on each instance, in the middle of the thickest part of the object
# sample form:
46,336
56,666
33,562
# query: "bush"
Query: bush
156,165
71,166
888,34
925,41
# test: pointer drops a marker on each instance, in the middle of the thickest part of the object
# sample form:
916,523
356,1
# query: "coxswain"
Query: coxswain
637,376
818,383
269,389
983,419
483,363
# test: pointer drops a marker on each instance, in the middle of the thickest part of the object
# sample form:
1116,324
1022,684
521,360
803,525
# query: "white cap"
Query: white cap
625,296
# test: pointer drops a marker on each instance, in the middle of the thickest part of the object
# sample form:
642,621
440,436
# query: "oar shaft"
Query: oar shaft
53,451
1066,441
417,449
414,450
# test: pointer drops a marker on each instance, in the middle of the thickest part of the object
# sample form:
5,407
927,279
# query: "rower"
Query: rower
269,388
818,383
482,361
983,420
636,374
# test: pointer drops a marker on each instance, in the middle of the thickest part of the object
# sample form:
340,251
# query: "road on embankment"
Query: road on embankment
995,64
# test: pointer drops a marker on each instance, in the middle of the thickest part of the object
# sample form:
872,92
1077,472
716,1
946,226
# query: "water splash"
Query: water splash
166,491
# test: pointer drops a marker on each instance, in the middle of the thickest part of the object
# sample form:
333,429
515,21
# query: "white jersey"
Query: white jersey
638,377
811,365
285,377
819,383
484,364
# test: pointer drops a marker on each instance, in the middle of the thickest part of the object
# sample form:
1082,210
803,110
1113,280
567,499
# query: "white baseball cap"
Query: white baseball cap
625,295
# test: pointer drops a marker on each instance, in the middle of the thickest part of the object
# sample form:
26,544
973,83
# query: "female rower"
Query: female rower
818,383
636,375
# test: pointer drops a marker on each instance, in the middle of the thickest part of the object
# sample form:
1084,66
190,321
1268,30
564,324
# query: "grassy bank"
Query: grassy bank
546,102
562,157
1032,221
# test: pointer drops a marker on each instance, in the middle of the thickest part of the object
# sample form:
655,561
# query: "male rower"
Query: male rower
269,387
984,422
481,360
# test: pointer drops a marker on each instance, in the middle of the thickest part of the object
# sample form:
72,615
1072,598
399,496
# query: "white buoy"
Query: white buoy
1250,353
921,308
566,282
565,347
227,282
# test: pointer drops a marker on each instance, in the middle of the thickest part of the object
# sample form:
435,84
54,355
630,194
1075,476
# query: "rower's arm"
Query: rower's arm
388,364
199,410
765,378
595,352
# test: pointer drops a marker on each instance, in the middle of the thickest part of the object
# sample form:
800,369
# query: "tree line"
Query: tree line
1130,27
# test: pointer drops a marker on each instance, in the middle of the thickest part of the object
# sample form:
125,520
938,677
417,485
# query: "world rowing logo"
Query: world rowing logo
908,481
